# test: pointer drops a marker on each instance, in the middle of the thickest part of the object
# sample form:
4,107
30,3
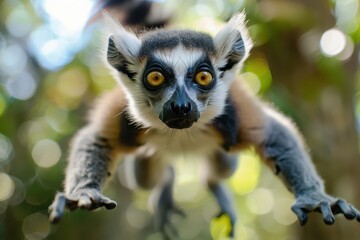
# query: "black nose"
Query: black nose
180,109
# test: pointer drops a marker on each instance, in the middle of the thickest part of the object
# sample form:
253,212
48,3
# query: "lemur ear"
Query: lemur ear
232,43
123,48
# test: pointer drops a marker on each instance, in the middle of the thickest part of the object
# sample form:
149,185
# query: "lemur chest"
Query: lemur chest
197,140
183,142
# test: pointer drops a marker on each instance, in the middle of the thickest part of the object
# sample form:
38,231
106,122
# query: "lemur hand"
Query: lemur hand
89,199
324,204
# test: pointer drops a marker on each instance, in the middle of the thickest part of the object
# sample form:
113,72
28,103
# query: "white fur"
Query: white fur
126,42
227,36
159,136
196,141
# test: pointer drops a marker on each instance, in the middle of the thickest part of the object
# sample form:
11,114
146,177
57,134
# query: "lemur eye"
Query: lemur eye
155,78
203,78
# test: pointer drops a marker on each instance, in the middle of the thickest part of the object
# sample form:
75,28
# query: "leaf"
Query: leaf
220,227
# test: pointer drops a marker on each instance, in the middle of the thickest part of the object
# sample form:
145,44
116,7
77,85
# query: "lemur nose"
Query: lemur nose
181,109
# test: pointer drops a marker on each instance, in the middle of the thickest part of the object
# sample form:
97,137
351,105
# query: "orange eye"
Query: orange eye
155,78
203,78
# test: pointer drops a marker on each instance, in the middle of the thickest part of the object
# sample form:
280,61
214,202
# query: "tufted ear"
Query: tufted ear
123,48
232,43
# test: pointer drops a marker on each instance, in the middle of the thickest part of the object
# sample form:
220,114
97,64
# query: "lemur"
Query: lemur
179,93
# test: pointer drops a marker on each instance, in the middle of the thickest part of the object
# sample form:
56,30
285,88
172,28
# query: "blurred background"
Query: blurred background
305,61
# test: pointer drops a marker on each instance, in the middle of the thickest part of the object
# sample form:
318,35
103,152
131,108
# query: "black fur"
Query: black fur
154,64
203,64
162,39
227,125
236,54
129,132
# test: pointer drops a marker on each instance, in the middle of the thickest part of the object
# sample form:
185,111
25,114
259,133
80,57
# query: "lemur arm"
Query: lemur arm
281,146
284,147
94,151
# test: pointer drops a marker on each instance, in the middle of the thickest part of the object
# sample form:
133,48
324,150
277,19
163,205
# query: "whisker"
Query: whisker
172,136
187,135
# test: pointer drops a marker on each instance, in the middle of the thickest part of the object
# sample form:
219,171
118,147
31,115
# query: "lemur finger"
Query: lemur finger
57,208
108,203
345,209
84,202
356,211
301,214
328,216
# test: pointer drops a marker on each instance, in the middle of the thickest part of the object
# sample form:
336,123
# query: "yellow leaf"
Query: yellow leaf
220,227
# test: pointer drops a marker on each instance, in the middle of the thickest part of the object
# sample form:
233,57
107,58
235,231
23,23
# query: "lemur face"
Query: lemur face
178,78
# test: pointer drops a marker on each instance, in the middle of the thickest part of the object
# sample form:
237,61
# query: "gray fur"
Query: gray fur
291,159
222,165
152,143
91,166
169,39
285,148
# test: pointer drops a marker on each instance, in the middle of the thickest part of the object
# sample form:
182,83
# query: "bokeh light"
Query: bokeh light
13,59
332,42
252,81
346,13
33,131
36,226
49,63
6,149
46,153
257,75
282,211
51,52
7,186
3,104
21,86
246,177
138,218
18,196
68,17
19,22
246,233
260,201
72,83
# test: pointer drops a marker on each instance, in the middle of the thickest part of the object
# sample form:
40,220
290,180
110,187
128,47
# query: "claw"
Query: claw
301,214
345,209
357,212
57,208
328,216
324,204
84,199
84,202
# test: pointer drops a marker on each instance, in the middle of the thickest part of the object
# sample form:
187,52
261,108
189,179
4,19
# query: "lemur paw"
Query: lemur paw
324,204
89,199
164,223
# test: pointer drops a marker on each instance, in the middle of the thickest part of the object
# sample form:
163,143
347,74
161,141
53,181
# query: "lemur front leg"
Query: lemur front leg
284,148
222,165
90,163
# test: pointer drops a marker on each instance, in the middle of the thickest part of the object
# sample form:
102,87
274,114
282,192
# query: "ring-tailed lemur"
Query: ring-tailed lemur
178,93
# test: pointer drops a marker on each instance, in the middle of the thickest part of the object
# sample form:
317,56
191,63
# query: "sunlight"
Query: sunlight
69,16
332,42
